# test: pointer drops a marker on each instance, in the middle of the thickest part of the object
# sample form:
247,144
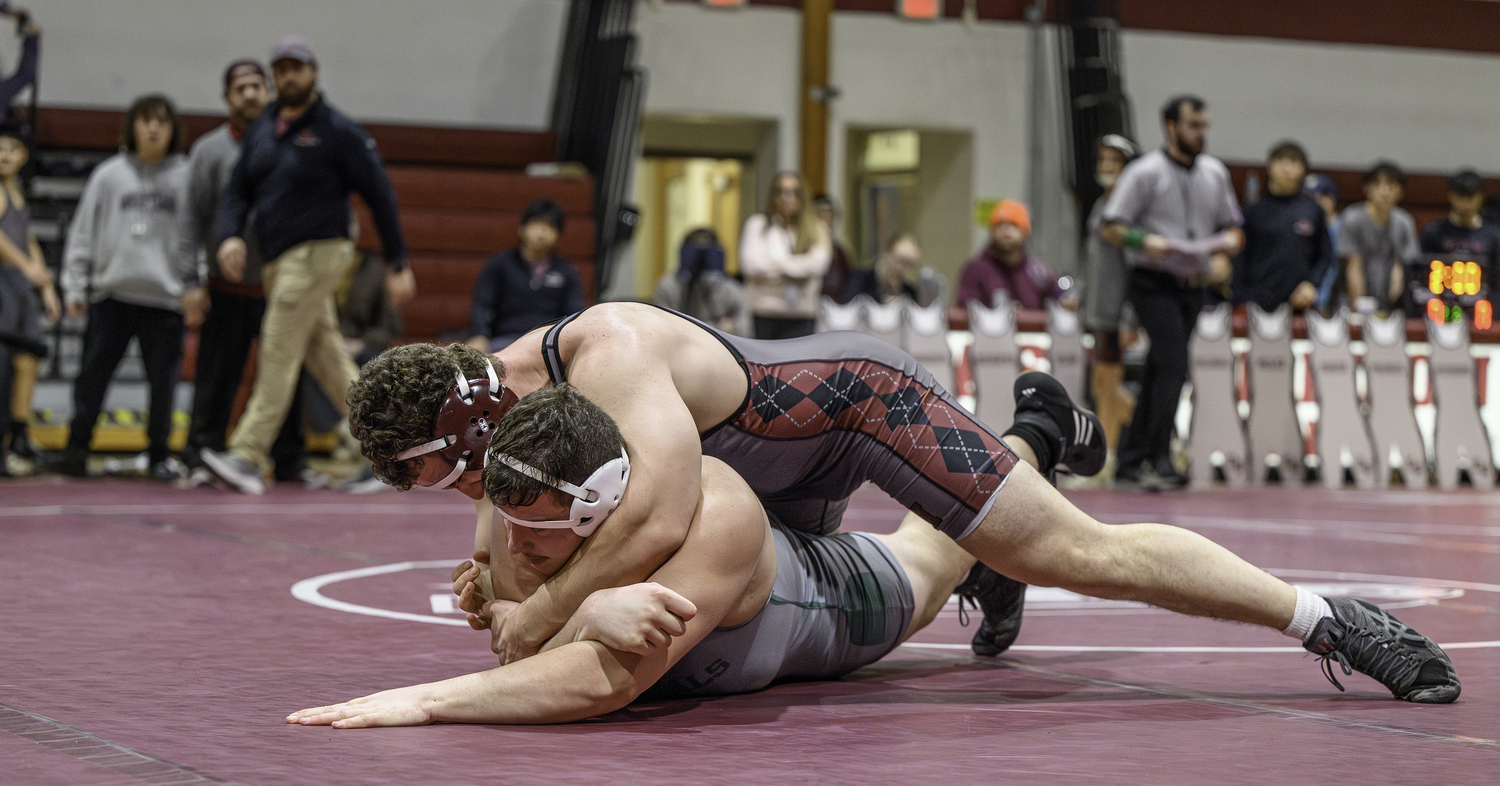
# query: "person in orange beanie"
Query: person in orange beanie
1004,264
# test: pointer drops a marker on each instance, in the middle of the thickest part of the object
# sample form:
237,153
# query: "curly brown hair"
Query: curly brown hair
394,403
556,430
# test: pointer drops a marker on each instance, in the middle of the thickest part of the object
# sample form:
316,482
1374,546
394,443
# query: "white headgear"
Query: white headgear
592,503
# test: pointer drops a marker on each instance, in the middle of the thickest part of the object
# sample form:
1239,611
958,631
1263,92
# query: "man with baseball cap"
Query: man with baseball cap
298,165
234,309
1005,264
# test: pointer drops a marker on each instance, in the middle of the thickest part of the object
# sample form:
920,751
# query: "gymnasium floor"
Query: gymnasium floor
152,635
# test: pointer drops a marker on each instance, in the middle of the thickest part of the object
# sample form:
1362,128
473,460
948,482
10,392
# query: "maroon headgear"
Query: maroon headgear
465,423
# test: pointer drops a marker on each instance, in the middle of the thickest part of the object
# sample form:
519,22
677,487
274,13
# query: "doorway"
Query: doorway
696,171
910,181
678,195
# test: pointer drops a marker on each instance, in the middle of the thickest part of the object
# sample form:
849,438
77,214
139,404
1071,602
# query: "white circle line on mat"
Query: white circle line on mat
1460,645
308,591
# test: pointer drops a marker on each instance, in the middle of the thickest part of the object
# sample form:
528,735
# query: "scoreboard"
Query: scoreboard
1448,280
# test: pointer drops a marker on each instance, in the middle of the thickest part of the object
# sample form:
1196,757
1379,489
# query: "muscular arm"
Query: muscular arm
626,376
583,678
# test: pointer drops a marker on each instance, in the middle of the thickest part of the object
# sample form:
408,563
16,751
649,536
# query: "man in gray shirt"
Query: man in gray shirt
1376,242
1174,212
234,309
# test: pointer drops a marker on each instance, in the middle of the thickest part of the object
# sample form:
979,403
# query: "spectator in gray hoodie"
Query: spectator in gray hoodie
122,267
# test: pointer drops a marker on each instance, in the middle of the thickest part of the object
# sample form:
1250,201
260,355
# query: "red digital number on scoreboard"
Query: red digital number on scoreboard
921,9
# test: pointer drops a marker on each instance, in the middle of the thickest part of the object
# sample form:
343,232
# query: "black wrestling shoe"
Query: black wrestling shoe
1363,637
21,444
1002,599
1081,447
71,462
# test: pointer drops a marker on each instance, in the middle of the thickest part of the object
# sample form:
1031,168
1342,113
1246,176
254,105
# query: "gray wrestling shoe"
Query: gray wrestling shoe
234,470
1362,637
1002,599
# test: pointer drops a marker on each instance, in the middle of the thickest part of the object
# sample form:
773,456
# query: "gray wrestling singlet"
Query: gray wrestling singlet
839,602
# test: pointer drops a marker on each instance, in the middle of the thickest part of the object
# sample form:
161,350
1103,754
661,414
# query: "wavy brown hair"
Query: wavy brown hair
556,430
394,403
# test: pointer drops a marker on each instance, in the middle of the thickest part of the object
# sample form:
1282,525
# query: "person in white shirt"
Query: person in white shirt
784,253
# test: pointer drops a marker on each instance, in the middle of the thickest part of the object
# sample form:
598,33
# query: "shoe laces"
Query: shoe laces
1380,655
1327,662
963,614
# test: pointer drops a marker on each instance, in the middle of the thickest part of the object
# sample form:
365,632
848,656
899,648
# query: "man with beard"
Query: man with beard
298,165
234,309
1173,211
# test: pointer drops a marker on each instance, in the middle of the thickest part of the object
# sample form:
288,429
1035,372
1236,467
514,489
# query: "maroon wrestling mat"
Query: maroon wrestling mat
153,635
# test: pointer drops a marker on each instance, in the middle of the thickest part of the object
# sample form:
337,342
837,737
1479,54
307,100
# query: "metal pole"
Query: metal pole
1036,77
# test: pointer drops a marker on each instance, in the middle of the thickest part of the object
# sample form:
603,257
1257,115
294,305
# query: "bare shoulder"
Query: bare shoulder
731,515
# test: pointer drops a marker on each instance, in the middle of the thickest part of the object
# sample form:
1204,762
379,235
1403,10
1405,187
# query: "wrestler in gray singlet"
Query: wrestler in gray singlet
828,412
839,603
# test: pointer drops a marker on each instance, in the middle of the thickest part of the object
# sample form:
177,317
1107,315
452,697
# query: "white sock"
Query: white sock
1310,609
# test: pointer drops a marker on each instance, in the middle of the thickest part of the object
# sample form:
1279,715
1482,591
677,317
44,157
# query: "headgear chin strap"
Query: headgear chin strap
593,503
465,422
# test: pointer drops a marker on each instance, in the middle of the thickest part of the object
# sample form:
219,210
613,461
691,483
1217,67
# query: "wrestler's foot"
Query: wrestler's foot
1002,599
20,442
235,470
1363,637
1081,449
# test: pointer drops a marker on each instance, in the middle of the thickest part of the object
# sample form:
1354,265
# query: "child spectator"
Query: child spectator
784,254
1377,240
1286,251
26,293
527,286
121,266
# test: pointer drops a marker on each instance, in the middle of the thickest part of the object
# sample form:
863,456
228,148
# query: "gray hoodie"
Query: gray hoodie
123,241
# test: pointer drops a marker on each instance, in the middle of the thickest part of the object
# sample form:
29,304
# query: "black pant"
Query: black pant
778,328
232,324
111,326
6,380
1168,312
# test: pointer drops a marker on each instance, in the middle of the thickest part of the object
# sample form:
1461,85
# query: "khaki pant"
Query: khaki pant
300,326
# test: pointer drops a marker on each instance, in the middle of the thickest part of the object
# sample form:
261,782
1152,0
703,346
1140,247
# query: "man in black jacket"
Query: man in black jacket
527,286
1287,249
298,164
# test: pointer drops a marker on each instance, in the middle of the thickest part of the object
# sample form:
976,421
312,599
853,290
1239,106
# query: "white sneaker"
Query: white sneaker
233,469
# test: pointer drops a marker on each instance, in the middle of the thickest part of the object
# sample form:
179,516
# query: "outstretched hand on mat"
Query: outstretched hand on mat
399,707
